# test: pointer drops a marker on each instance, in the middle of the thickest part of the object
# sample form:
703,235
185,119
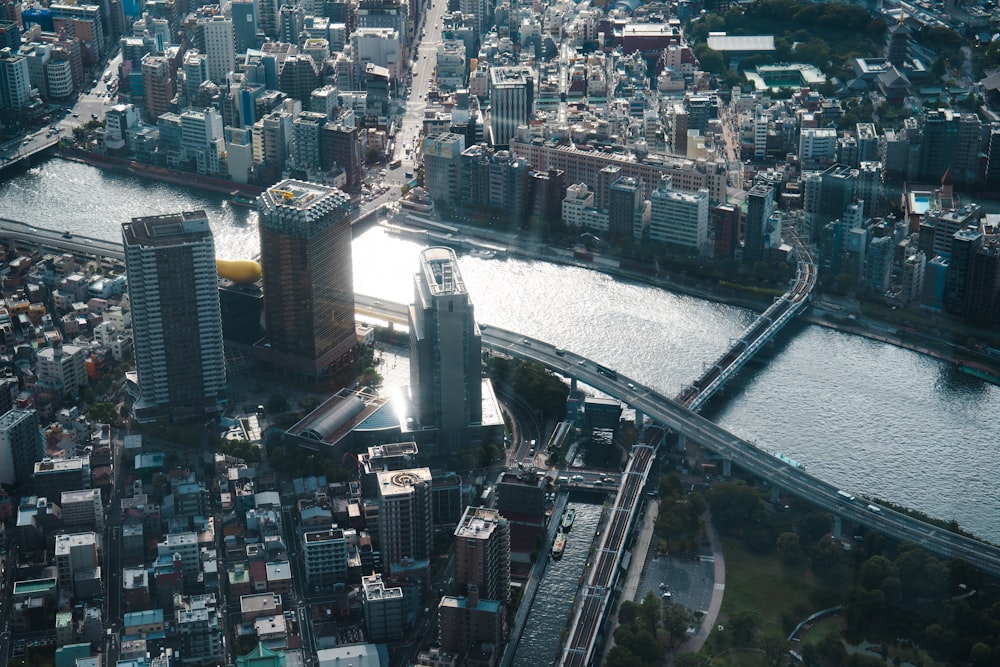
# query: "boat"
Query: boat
978,371
559,545
236,198
567,520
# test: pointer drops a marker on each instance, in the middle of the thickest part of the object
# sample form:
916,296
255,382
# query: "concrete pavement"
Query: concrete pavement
695,643
636,565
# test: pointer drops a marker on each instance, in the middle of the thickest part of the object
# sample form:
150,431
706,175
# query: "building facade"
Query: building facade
445,350
21,446
308,283
174,295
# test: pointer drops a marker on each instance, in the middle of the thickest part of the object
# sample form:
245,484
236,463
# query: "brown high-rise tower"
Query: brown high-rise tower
305,251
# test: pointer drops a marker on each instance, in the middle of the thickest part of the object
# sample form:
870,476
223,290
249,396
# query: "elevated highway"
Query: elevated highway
746,455
50,239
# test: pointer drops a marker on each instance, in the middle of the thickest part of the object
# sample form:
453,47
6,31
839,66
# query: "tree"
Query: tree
676,619
743,625
826,557
735,505
815,525
689,660
627,612
621,656
710,60
775,648
649,611
788,548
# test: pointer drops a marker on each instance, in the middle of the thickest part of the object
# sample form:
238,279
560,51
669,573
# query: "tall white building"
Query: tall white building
578,198
445,350
203,138
64,367
117,122
404,516
220,46
679,218
512,101
82,510
761,122
817,147
177,326
15,81
76,554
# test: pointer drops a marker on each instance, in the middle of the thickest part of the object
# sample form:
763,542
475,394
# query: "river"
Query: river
863,415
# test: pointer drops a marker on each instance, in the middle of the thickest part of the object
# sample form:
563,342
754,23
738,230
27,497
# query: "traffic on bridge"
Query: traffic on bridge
758,462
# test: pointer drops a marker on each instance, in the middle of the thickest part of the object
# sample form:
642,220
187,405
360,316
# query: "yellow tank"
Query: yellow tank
243,271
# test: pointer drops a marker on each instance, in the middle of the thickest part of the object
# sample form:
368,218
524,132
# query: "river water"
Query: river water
863,415
556,591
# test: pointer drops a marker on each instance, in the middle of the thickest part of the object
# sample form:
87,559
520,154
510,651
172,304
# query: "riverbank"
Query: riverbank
155,172
828,318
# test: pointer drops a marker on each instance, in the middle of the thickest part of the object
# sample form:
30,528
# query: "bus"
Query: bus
606,372
395,163
845,496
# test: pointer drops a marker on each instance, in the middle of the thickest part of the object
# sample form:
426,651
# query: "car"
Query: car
631,386
560,352
525,341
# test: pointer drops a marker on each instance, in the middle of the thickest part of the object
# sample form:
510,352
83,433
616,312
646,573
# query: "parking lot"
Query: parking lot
689,581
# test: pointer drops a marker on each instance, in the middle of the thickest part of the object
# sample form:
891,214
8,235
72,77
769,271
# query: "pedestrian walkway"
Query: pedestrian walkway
694,644
638,561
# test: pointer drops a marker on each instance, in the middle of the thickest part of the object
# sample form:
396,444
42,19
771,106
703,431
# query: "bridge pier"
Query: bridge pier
681,443
775,493
572,385
727,467
838,526
639,420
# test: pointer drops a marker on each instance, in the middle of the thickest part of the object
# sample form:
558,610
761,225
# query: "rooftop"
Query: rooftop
720,41
440,268
478,522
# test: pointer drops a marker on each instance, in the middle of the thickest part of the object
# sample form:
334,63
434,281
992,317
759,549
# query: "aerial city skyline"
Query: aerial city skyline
248,462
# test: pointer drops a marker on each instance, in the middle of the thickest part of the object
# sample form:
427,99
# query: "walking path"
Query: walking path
636,565
695,643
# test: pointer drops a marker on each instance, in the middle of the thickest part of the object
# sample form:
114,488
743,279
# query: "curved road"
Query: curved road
756,461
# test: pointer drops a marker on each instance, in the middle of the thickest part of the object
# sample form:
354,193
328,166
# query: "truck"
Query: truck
845,496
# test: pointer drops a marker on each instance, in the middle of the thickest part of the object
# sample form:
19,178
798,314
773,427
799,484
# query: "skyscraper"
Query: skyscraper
220,46
305,251
760,205
482,553
173,291
512,101
445,350
15,85
20,446
404,516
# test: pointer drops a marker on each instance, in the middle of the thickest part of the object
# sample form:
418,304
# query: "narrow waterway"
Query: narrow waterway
554,599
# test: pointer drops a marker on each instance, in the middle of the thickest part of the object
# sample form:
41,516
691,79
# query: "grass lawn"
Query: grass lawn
823,628
740,658
762,584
